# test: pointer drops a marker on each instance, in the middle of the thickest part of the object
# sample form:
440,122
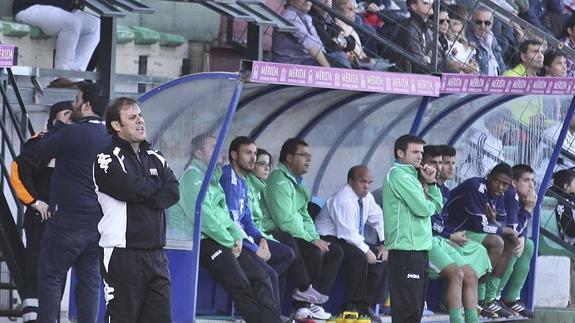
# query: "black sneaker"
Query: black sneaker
502,311
488,310
520,308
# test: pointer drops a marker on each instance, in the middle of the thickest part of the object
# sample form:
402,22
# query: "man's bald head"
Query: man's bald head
359,177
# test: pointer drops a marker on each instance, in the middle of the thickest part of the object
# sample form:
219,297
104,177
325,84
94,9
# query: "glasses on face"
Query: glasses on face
483,22
305,155
264,164
442,21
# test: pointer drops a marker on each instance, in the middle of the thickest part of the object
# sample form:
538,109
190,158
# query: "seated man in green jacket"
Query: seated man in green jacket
317,262
407,212
221,251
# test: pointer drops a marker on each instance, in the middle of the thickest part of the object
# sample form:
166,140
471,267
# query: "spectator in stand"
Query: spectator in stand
554,64
71,236
286,199
77,32
221,247
416,36
530,59
134,185
461,57
275,258
304,47
568,36
31,182
336,44
358,57
488,52
342,222
444,44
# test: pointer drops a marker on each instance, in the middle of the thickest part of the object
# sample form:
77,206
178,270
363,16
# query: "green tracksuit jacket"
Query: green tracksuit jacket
406,210
216,221
286,204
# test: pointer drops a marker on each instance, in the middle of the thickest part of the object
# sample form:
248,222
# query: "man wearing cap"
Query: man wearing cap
71,235
31,182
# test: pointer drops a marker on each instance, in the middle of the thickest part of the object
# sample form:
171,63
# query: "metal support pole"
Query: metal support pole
203,190
255,46
419,116
540,195
107,61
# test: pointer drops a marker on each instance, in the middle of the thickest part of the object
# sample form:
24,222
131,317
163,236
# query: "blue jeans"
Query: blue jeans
61,249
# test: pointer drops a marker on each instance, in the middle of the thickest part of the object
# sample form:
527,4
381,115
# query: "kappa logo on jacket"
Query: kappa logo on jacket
103,161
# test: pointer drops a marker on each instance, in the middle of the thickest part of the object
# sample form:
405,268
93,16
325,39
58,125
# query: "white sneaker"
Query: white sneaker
302,313
310,296
317,312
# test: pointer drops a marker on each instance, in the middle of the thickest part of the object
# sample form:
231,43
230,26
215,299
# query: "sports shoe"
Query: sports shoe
496,307
426,312
317,312
520,308
489,312
302,313
310,296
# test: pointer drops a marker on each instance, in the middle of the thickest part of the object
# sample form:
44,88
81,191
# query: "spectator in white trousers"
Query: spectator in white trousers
77,32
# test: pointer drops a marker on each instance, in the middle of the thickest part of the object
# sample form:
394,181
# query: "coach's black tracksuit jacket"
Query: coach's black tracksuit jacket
133,192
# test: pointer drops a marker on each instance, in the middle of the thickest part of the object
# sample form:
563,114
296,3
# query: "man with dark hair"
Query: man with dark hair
477,206
71,236
453,257
416,37
407,218
274,257
520,201
221,252
286,198
531,54
134,185
31,182
342,222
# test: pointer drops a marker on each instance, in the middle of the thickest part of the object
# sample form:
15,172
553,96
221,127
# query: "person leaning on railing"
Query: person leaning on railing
302,47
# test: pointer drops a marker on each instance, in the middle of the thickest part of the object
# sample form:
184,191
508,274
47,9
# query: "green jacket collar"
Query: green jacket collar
297,180
405,167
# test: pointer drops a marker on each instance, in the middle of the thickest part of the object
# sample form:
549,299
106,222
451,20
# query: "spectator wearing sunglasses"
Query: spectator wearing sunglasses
416,37
488,51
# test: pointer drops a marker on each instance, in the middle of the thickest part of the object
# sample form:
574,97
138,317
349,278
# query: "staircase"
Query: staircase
15,128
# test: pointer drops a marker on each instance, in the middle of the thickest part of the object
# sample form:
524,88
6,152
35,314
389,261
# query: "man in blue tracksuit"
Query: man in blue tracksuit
274,257
71,236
